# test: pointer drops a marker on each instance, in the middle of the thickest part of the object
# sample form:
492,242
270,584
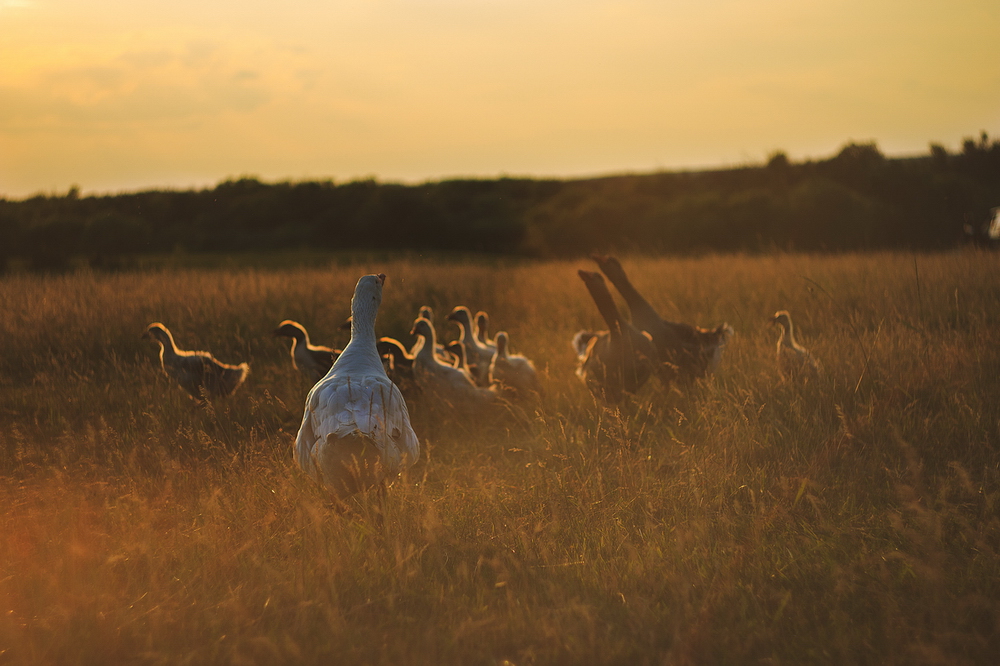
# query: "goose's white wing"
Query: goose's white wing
371,405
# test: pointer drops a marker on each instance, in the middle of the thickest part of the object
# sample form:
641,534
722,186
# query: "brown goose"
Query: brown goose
355,431
619,360
513,371
694,351
314,361
477,354
197,372
401,357
794,360
400,368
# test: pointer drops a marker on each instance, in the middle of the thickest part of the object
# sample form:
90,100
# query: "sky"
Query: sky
124,95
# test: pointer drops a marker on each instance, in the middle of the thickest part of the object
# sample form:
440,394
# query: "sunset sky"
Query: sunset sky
122,95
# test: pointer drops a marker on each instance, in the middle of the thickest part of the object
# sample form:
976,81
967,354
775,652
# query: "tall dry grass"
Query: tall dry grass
852,519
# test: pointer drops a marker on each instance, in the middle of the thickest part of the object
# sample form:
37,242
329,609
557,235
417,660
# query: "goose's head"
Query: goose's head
724,333
611,267
423,328
290,329
501,342
426,312
482,324
157,331
461,316
390,346
605,261
457,349
783,319
367,298
591,279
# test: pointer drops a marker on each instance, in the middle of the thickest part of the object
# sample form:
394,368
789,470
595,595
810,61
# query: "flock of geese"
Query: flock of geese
356,434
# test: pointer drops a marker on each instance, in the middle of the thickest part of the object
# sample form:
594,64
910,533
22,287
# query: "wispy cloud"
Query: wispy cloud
136,86
441,87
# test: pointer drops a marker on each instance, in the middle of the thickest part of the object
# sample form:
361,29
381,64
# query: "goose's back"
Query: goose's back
197,370
341,406
516,372
314,361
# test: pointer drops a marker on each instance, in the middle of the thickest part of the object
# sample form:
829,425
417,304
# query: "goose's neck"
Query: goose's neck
363,332
605,303
786,338
464,334
642,312
397,352
363,319
167,346
789,335
300,341
426,351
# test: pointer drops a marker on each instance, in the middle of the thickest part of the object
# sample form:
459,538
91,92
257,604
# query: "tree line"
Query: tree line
856,200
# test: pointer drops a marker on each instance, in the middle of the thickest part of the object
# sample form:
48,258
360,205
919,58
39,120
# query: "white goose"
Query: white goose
793,358
448,382
513,371
355,431
477,354
443,353
314,361
197,372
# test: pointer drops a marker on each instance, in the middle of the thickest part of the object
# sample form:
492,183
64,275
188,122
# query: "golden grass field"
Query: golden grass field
746,519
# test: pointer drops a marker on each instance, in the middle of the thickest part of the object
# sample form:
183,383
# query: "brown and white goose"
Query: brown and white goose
314,361
692,350
616,361
477,354
453,384
355,431
794,360
512,371
197,372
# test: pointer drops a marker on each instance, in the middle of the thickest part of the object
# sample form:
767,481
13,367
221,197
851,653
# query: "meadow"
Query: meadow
853,518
